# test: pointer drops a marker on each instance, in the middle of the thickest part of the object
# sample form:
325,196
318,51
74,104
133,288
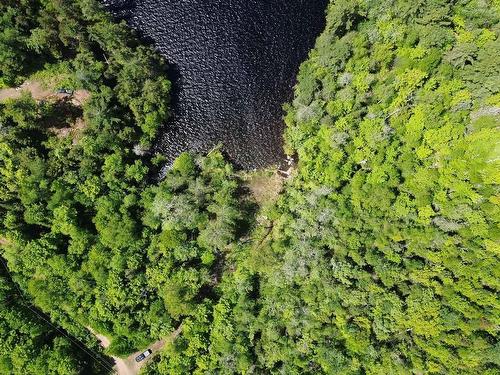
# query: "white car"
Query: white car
143,355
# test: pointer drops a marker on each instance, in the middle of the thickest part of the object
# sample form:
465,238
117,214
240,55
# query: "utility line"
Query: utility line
98,360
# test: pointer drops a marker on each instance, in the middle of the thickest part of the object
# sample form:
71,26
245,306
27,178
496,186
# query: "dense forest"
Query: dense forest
385,253
30,344
87,233
380,255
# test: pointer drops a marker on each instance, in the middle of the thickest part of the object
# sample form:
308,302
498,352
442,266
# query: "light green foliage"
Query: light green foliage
382,255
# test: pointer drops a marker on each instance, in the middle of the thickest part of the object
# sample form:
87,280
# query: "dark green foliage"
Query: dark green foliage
100,52
93,245
89,242
195,211
31,346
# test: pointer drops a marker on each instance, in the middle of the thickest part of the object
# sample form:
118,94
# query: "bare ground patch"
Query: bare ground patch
37,90
264,185
4,241
74,130
67,119
41,92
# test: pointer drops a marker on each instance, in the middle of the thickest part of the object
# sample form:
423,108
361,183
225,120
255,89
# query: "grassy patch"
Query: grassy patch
264,185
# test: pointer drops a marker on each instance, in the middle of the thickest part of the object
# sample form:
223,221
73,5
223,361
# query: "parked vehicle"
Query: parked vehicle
143,355
64,91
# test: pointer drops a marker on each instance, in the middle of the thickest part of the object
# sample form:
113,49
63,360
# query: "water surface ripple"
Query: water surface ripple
233,65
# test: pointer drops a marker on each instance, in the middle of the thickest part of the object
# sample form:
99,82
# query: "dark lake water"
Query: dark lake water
233,65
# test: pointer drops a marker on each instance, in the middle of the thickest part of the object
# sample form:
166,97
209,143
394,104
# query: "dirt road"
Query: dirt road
40,92
120,365
35,88
128,366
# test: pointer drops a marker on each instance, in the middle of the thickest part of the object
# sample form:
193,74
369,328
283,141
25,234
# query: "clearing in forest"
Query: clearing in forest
69,120
128,366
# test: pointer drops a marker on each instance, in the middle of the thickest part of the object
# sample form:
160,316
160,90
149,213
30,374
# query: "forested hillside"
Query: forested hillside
87,232
380,256
384,257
